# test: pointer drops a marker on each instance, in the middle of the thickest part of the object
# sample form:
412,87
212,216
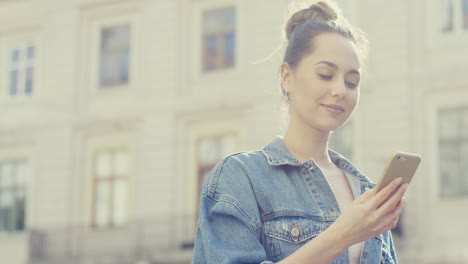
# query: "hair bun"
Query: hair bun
320,11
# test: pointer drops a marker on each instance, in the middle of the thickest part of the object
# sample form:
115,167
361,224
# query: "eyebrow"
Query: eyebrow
334,66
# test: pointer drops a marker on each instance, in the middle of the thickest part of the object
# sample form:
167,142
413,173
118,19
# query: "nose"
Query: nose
338,88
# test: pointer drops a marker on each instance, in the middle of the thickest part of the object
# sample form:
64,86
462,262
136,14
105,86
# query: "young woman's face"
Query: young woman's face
324,87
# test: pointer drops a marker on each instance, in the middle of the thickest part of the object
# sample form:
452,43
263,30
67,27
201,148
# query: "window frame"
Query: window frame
13,40
95,66
14,190
436,103
451,141
207,126
436,39
111,180
199,7
207,167
218,35
93,19
105,142
21,68
100,55
26,154
457,19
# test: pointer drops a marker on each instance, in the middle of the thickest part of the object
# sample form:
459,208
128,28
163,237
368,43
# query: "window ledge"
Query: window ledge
457,40
8,235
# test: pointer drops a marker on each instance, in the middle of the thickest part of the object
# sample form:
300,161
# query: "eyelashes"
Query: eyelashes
327,77
351,85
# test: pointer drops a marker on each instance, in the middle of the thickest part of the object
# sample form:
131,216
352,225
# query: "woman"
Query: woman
296,201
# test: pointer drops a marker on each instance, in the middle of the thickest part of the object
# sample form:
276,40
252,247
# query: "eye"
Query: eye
351,85
325,77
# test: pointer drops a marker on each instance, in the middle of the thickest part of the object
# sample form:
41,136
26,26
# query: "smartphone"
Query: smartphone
402,164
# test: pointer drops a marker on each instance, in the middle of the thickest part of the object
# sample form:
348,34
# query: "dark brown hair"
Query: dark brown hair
306,24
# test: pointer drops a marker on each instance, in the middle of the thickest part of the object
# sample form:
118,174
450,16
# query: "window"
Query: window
111,172
207,138
114,55
21,70
13,177
453,151
465,14
219,38
341,140
454,16
210,150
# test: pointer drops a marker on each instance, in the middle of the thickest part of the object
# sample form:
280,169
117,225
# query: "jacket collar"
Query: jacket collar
277,154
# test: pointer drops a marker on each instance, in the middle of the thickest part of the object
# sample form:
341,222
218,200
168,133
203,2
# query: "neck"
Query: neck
305,143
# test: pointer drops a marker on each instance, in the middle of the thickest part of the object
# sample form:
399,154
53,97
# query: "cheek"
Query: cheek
307,97
310,88
353,99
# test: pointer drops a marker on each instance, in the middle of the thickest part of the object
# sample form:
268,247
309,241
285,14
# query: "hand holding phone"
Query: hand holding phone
403,165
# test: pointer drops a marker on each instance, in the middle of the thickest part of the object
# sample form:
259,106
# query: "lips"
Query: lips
334,108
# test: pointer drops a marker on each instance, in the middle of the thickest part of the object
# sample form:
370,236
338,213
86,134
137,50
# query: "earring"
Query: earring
288,96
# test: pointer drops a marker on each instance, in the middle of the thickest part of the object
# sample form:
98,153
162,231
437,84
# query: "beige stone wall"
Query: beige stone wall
169,104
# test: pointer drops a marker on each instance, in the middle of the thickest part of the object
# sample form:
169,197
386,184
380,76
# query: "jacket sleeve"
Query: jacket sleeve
228,229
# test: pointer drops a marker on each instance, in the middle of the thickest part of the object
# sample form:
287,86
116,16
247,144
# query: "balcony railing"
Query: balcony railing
167,240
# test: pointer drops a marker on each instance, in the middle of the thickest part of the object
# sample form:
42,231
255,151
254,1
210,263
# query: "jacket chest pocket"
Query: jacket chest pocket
284,235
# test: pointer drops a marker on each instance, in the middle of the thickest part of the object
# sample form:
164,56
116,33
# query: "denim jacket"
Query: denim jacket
261,206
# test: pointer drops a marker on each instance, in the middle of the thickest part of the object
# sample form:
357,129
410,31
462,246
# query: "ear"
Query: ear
286,74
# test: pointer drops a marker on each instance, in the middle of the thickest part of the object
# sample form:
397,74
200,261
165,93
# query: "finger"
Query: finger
396,213
365,196
382,195
391,219
394,200
395,223
402,201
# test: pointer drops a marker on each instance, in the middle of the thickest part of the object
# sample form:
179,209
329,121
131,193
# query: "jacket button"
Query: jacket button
295,231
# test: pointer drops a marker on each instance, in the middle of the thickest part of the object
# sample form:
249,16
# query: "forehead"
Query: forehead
336,49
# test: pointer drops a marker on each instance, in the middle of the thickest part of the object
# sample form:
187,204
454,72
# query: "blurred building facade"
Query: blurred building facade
113,111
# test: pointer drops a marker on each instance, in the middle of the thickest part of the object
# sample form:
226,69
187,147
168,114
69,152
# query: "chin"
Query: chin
331,126
324,128
325,124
